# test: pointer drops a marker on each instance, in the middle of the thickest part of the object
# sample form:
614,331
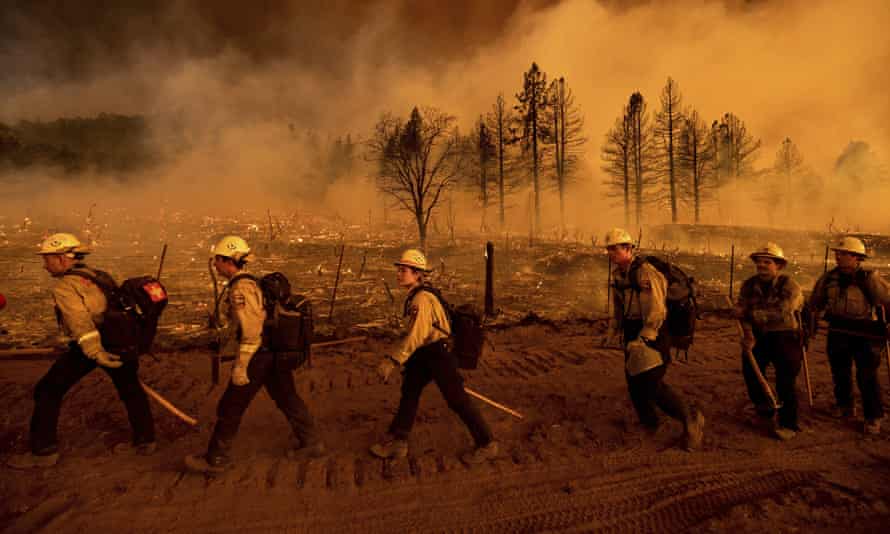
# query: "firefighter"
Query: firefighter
768,307
851,297
639,313
423,356
79,305
243,314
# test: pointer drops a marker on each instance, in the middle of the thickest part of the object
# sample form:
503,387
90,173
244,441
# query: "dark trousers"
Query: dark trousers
263,371
843,350
783,350
67,371
648,390
435,363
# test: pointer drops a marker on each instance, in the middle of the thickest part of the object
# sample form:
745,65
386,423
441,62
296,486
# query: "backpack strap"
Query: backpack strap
103,280
860,278
436,293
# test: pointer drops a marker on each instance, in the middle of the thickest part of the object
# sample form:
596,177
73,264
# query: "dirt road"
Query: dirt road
577,462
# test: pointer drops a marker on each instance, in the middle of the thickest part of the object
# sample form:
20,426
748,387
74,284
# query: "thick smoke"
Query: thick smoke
226,86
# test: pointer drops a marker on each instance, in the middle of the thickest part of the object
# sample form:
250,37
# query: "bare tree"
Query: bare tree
788,165
567,137
483,153
667,127
736,147
417,160
695,162
641,152
532,115
616,157
502,125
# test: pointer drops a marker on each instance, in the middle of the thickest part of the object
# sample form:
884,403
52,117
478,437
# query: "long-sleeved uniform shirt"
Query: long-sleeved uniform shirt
425,322
79,304
243,314
841,297
641,300
769,306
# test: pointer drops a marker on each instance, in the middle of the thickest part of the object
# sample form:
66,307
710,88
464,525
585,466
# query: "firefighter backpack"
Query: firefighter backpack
467,331
682,309
130,321
289,327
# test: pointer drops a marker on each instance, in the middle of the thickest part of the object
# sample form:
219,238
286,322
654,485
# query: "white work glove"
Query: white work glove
91,345
385,368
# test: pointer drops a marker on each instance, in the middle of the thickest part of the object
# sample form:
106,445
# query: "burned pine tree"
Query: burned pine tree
735,148
532,107
481,158
566,135
641,155
788,165
501,123
616,156
627,159
667,128
695,162
417,161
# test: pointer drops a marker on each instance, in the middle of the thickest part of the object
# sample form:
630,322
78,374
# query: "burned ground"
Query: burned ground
577,461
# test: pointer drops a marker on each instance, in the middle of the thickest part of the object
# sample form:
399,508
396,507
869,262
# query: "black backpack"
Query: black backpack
289,327
682,309
130,321
467,331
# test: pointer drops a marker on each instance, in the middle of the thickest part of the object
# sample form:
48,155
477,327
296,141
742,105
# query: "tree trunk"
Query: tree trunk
673,181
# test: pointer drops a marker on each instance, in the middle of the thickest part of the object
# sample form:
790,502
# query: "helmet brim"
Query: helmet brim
853,252
419,268
777,259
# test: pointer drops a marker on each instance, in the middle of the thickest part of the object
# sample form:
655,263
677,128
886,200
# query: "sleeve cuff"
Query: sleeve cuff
648,333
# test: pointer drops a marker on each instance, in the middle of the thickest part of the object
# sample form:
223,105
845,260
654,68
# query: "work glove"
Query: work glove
107,359
612,339
91,345
239,375
385,368
239,371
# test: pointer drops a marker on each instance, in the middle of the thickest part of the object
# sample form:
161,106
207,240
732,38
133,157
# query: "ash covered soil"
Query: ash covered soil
578,461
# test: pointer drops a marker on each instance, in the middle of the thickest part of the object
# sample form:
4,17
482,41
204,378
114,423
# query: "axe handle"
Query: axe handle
806,374
168,405
499,406
752,361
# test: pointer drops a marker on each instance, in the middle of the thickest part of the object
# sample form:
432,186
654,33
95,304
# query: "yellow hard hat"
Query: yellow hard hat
415,259
618,236
852,245
232,246
62,243
771,251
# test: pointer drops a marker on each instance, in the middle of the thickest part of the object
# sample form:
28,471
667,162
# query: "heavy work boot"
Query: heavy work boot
695,431
316,450
782,433
201,463
480,454
30,460
872,427
390,448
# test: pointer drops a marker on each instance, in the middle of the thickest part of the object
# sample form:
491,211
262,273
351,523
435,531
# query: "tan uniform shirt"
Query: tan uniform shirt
243,314
648,305
771,306
849,302
80,304
426,323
